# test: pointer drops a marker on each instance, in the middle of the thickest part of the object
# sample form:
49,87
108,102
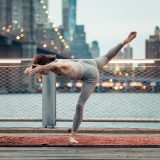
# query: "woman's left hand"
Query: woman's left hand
35,70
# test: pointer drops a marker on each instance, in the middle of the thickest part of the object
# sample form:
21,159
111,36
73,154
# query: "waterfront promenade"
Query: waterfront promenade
45,143
87,137
78,153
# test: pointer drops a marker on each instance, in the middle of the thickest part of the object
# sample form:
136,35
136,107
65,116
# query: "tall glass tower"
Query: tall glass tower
69,18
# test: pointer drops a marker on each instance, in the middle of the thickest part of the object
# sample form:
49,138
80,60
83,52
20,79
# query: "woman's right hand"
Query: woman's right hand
35,70
27,70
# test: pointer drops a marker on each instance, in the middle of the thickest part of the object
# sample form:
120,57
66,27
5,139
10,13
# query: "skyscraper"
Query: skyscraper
153,45
79,46
11,15
127,53
95,49
41,18
69,19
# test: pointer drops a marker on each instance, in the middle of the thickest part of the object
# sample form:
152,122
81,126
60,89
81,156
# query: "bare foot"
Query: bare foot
130,37
73,140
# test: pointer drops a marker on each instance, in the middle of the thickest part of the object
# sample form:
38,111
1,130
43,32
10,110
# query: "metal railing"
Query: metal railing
127,91
19,96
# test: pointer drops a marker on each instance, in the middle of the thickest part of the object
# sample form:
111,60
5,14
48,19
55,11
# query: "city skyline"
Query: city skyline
118,21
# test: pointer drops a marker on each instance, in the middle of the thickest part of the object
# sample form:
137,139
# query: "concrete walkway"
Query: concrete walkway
86,137
78,153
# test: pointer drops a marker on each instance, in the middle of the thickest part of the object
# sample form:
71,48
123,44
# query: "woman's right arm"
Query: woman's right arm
39,68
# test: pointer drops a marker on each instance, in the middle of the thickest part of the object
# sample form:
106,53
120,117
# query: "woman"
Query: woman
85,70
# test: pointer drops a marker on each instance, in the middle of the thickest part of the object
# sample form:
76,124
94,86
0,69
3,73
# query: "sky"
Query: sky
110,21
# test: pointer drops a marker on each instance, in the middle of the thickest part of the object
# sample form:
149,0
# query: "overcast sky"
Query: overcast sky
110,21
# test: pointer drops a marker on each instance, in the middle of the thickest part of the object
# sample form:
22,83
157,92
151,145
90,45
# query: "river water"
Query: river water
99,105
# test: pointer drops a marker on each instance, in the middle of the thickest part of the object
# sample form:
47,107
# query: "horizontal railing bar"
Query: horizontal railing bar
19,120
112,61
149,120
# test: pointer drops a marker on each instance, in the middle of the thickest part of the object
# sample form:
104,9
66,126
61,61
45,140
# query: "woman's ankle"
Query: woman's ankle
73,134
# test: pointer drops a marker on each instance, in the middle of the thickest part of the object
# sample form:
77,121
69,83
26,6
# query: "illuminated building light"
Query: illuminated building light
22,30
132,61
116,88
56,29
66,46
18,37
10,26
22,35
49,17
44,7
8,30
4,28
53,25
144,87
135,84
153,84
46,12
126,74
121,87
107,84
60,37
69,84
41,2
15,22
57,84
79,84
63,40
118,84
44,45
39,79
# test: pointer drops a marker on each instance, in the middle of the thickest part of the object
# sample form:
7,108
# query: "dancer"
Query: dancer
85,70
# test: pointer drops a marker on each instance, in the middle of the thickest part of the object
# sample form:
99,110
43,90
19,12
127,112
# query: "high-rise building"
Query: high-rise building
95,49
41,18
28,19
153,45
5,13
79,47
127,53
69,19
11,15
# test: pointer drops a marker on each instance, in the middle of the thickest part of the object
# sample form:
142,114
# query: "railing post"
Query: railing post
49,100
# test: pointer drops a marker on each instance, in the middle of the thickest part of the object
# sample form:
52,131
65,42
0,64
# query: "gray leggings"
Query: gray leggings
90,78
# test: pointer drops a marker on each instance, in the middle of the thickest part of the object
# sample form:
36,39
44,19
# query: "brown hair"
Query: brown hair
43,59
